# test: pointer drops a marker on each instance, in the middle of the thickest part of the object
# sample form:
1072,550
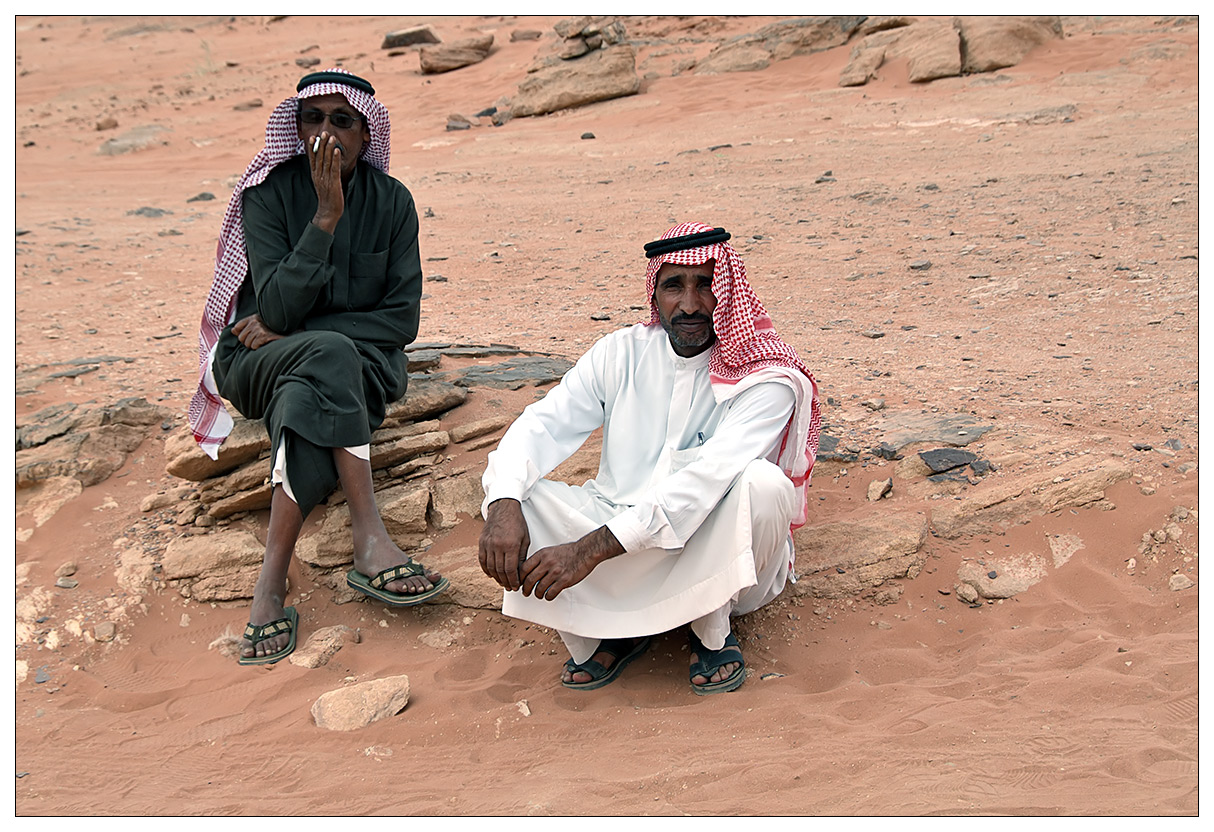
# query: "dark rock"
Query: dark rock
1142,446
205,196
148,212
525,34
828,448
587,135
886,451
304,63
946,459
515,373
921,265
41,676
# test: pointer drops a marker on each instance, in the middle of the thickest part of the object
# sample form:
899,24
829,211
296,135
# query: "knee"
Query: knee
771,492
336,350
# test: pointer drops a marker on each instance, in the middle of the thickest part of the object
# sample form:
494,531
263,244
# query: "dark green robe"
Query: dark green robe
347,302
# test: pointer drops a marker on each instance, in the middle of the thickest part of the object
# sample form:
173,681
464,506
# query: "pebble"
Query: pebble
587,135
921,265
67,583
66,570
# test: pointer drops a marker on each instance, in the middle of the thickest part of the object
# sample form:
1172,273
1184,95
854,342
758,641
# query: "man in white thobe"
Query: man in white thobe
710,427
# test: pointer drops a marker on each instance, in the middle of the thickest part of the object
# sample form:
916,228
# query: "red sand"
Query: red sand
1079,696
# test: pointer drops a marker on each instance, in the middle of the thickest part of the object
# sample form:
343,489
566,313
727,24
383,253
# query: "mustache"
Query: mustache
690,319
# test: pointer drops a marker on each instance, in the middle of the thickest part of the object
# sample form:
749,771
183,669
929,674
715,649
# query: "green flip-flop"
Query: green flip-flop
374,587
710,661
257,633
624,654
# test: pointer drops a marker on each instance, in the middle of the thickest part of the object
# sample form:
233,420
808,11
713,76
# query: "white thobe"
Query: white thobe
686,485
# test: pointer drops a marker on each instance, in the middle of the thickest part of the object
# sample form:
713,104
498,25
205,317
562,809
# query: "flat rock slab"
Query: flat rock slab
513,374
902,429
946,459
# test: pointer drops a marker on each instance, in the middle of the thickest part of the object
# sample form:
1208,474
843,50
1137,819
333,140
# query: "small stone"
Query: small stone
523,707
992,574
105,631
251,104
967,593
1178,582
873,333
41,676
873,404
185,620
66,570
880,488
1141,446
202,196
67,583
600,316
587,135
920,265
107,123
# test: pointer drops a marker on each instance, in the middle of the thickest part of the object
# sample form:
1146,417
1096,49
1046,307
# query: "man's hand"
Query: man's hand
325,162
253,333
554,569
504,543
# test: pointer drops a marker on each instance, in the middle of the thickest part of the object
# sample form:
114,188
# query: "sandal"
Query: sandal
624,652
710,661
374,587
257,633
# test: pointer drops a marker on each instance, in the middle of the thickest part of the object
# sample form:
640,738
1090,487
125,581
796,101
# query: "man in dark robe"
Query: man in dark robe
316,293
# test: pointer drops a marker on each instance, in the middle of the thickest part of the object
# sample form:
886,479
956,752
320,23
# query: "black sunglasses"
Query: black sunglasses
341,121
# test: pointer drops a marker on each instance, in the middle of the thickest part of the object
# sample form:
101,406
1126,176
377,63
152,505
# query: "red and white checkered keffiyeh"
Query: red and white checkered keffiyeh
208,417
749,351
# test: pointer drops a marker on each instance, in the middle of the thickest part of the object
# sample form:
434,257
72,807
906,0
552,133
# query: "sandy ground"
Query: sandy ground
1057,202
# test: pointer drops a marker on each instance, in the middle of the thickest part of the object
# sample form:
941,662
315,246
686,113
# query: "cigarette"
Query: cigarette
316,144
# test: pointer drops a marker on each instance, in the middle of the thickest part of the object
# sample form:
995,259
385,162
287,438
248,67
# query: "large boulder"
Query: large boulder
778,42
851,558
449,56
183,457
598,76
994,42
932,50
1001,503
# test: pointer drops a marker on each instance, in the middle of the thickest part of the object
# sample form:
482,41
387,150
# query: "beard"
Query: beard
696,343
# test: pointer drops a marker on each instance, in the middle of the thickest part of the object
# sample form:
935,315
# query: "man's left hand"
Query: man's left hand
253,333
553,569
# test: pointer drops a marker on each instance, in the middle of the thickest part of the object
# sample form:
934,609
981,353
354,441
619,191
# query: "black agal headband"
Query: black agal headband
328,77
701,238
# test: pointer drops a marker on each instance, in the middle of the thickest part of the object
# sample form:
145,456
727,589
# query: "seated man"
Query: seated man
316,292
710,428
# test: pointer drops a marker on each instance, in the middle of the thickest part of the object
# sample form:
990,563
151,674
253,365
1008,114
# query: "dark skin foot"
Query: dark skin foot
720,674
379,555
603,658
268,605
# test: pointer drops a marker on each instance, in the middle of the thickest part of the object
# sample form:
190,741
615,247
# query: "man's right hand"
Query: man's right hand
504,542
325,164
253,333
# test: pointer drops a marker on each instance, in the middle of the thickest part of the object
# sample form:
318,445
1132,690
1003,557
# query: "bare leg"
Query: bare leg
374,550
270,593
